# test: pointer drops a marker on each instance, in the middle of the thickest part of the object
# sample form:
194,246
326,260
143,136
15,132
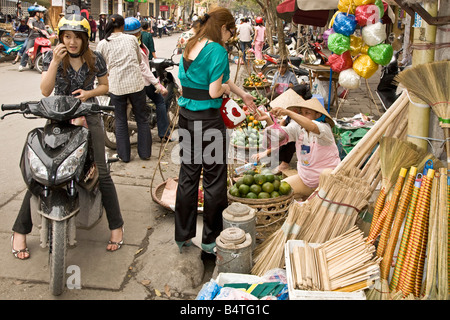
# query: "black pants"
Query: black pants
287,152
144,143
23,223
195,150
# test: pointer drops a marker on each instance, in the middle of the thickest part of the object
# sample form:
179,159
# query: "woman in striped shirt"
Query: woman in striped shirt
123,57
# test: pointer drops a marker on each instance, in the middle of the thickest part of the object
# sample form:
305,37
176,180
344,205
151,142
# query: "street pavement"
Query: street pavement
149,265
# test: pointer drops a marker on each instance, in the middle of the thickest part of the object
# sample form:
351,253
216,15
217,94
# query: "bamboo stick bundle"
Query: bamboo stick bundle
406,233
414,259
325,184
432,246
316,218
320,231
405,155
404,201
386,226
443,225
272,256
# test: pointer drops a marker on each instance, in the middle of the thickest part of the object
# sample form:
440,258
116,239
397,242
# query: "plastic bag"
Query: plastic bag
209,291
228,293
274,135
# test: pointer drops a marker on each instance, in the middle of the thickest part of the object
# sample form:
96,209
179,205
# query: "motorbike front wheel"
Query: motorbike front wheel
57,256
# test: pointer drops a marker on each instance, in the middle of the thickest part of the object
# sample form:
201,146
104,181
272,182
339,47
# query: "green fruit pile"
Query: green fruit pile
254,185
247,137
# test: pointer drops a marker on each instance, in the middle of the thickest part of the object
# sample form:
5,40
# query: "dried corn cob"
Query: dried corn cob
391,213
399,217
415,254
406,231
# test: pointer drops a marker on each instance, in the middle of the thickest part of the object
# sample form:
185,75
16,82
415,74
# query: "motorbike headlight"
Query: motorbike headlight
36,165
69,166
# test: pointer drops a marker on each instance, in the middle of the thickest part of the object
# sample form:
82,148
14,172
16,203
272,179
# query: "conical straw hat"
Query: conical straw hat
291,99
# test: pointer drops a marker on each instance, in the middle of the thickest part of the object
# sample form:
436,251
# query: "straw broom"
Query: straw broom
399,217
415,254
406,233
443,226
387,212
432,256
431,83
405,155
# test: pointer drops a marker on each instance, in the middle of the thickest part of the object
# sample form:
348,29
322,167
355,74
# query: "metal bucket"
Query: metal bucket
238,215
234,251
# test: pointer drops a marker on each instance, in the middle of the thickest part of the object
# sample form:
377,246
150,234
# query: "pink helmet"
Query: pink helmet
259,20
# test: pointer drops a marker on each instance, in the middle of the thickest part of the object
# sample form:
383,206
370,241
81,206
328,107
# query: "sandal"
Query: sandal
118,244
17,252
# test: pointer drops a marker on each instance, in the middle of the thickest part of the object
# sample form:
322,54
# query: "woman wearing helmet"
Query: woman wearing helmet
259,38
153,89
123,57
70,69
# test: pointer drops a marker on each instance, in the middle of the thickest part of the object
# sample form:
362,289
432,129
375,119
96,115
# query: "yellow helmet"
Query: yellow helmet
74,22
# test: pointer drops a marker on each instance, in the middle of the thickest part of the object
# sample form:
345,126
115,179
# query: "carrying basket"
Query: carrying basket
270,213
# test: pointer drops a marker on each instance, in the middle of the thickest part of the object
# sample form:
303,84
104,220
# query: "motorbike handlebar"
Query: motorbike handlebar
11,107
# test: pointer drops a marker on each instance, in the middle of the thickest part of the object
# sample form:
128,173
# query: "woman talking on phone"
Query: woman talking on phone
70,69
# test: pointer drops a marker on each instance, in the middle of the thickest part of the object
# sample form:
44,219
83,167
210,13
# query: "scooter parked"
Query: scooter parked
11,45
387,88
58,167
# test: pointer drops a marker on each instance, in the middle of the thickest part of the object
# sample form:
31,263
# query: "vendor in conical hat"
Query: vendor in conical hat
311,129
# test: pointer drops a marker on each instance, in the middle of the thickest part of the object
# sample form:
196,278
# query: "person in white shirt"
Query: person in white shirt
160,23
123,57
245,31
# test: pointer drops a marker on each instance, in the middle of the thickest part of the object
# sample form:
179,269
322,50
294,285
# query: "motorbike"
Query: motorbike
41,45
272,64
166,78
387,88
58,167
11,45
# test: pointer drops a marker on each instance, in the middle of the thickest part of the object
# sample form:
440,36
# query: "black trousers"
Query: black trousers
287,152
202,147
110,201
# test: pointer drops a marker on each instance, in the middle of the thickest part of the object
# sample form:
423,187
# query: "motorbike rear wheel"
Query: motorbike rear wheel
57,256
110,126
39,62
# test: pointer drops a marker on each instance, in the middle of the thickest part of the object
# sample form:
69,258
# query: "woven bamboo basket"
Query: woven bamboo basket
158,192
270,213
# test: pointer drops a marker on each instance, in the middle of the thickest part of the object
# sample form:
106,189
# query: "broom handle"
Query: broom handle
369,140
447,145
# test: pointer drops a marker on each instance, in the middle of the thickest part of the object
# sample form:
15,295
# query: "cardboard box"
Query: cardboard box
295,294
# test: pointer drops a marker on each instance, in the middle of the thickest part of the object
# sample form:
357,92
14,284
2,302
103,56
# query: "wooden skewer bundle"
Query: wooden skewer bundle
345,263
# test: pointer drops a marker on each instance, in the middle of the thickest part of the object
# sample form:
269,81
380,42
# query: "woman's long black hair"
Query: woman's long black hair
114,21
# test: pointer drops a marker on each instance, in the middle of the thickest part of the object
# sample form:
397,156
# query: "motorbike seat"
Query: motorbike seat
296,61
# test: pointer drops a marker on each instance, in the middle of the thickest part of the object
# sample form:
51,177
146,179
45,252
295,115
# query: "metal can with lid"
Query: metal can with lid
234,251
240,216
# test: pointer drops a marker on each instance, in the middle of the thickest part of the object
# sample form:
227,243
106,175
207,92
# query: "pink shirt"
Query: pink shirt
261,30
315,152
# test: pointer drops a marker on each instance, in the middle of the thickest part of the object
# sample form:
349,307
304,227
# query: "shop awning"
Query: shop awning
300,12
